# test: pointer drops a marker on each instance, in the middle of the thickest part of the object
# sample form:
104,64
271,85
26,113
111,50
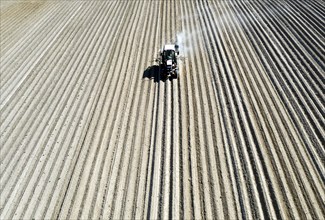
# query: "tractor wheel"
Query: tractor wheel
176,74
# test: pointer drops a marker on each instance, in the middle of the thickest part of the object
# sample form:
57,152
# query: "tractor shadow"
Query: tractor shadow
153,73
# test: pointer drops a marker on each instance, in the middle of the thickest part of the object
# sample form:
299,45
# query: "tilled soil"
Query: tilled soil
90,129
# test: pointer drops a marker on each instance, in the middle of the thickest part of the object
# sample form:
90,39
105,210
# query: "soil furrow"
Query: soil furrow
80,89
18,73
298,151
187,137
90,128
14,139
310,152
104,70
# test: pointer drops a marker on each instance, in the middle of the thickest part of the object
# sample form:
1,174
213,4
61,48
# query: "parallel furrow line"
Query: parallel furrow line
31,110
33,86
80,86
293,140
120,153
246,196
40,152
22,48
139,140
68,208
147,197
125,124
186,184
10,87
297,109
96,53
280,85
222,115
206,121
311,20
19,26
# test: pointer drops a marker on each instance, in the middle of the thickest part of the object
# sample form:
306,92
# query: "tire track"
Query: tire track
166,190
155,203
153,125
178,197
138,210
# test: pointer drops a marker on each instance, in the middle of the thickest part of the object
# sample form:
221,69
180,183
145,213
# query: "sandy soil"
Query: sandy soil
89,129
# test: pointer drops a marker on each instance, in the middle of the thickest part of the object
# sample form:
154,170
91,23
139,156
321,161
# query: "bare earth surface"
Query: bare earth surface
90,130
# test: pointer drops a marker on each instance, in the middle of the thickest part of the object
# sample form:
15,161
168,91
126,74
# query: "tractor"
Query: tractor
169,56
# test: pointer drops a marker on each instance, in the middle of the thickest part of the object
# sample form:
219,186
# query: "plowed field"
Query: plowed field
89,129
